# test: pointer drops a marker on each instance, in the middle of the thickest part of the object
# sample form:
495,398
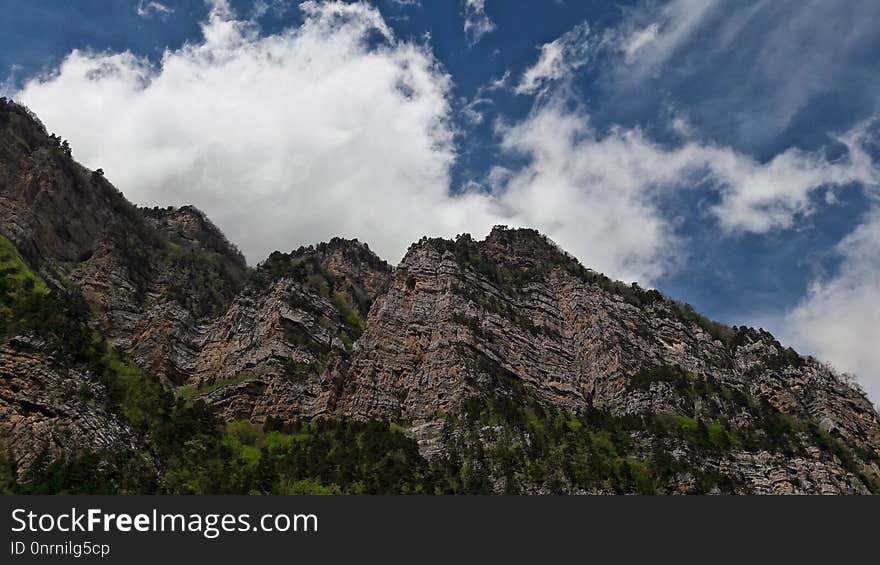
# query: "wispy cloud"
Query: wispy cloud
585,185
148,9
672,25
558,59
476,22
7,85
632,44
740,53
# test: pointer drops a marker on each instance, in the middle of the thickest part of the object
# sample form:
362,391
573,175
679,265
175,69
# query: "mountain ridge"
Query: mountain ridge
489,356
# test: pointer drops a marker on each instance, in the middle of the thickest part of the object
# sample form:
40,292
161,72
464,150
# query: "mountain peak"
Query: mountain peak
187,225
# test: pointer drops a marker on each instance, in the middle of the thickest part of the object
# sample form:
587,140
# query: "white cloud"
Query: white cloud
597,193
315,132
638,40
473,109
497,83
149,9
276,7
7,85
476,22
320,131
283,139
591,194
759,198
557,60
839,318
730,63
673,25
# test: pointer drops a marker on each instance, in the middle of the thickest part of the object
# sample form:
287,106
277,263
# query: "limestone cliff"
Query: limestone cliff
497,356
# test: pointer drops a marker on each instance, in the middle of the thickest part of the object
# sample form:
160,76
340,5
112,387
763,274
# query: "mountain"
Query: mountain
139,353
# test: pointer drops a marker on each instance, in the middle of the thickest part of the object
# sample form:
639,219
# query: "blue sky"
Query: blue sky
725,152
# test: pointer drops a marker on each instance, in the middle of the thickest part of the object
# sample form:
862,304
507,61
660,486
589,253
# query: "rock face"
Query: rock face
436,345
289,331
49,408
466,318
515,303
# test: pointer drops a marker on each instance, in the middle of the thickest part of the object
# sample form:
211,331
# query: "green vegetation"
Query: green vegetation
318,457
524,444
530,445
186,392
304,266
185,448
723,333
212,280
471,255
326,457
349,315
770,430
8,475
17,283
849,457
14,274
677,377
297,371
495,305
169,427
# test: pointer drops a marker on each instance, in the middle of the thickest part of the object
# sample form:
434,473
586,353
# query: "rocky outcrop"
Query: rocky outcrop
48,407
289,332
131,265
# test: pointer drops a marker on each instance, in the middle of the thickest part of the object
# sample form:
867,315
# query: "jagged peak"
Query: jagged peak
522,249
8,106
190,223
354,251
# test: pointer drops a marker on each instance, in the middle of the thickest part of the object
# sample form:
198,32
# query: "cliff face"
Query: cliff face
283,340
514,316
47,407
457,312
496,356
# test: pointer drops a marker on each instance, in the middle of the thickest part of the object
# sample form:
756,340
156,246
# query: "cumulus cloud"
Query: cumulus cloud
838,319
558,60
152,8
583,187
754,196
336,127
331,128
476,22
761,198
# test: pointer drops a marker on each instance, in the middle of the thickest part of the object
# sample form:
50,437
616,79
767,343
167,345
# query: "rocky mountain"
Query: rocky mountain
139,353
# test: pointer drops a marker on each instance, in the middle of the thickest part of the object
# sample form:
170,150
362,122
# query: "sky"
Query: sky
726,152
